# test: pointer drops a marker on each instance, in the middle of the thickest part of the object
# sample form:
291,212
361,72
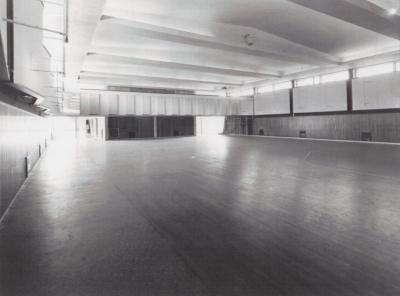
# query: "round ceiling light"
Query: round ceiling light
249,39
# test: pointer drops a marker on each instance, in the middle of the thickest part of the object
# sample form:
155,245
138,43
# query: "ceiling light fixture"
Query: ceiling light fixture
392,11
249,39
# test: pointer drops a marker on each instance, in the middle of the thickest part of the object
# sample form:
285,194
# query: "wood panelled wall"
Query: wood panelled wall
238,125
129,127
379,127
363,109
172,126
21,134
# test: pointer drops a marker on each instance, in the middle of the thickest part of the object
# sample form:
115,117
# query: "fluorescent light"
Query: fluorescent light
375,70
338,76
392,11
283,85
265,89
398,66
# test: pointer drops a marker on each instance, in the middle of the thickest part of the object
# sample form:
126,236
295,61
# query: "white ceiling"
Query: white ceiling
200,44
387,4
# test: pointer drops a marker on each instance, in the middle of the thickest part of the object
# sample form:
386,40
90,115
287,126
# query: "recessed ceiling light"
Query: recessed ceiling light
392,11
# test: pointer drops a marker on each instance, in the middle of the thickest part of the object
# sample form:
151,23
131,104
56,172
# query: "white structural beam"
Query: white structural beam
83,20
112,58
153,78
87,81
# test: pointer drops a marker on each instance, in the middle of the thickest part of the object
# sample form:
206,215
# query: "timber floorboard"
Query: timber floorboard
206,216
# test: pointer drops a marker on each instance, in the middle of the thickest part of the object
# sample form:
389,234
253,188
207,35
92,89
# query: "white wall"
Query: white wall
320,98
152,104
172,105
63,128
377,92
185,106
245,107
277,102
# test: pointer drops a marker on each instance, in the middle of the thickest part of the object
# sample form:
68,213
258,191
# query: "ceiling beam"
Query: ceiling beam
82,23
169,35
133,89
113,75
112,58
364,15
106,82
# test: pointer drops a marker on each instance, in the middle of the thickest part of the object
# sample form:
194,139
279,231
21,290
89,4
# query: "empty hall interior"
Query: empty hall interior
200,147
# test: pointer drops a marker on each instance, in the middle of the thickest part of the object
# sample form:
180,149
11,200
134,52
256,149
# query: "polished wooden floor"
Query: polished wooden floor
206,216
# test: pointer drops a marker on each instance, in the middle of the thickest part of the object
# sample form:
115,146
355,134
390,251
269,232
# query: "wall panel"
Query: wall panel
185,106
246,107
175,106
221,108
170,126
155,104
237,125
233,107
146,99
130,104
122,105
172,105
85,103
94,104
382,127
160,105
129,127
376,92
109,104
320,98
210,106
139,108
273,103
198,107
21,133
